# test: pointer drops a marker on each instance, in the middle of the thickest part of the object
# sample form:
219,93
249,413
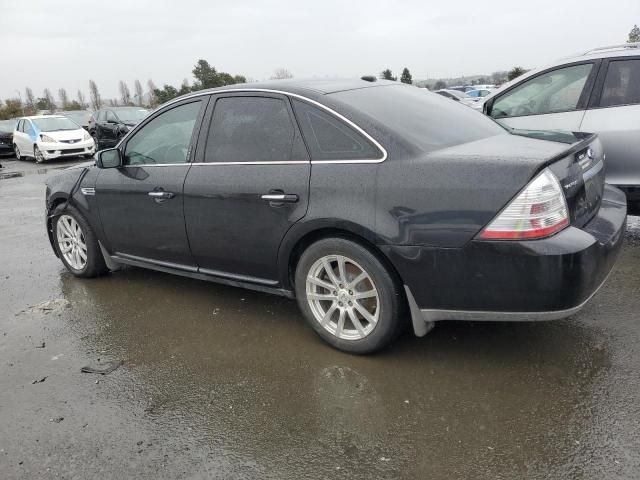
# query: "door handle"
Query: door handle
280,197
160,194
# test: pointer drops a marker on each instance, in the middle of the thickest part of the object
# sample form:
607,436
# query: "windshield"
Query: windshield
132,114
7,125
80,118
429,121
53,124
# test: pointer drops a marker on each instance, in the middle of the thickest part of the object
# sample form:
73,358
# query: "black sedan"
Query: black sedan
6,137
107,126
375,204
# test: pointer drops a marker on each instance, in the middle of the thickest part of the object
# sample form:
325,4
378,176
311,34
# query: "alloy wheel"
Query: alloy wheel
342,297
16,150
71,242
38,154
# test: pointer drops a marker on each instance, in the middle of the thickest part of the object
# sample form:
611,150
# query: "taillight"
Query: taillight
538,211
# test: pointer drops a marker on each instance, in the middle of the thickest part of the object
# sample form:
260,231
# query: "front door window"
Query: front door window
165,139
552,92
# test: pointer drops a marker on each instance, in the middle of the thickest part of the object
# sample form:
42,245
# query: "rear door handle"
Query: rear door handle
280,197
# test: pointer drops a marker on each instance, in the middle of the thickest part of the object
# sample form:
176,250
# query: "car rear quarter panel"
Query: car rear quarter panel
444,198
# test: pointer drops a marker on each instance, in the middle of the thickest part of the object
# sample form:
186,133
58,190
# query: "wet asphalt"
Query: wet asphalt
219,382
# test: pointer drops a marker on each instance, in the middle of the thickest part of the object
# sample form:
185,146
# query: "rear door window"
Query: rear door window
552,92
622,84
250,129
329,138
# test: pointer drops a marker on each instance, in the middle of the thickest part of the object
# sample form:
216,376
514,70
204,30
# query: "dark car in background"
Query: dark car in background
375,204
107,126
6,136
81,117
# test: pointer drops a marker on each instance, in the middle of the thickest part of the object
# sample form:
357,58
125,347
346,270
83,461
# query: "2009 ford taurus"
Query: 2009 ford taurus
375,204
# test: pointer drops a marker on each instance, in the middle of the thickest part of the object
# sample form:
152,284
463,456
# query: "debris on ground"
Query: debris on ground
48,306
56,420
41,345
39,381
103,369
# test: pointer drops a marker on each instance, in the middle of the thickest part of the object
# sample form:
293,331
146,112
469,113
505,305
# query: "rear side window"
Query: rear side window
622,84
329,138
428,121
250,129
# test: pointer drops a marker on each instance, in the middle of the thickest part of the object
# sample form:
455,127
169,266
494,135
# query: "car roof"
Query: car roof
316,86
37,117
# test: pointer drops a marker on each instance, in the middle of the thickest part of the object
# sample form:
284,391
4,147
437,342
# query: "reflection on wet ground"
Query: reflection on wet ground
223,382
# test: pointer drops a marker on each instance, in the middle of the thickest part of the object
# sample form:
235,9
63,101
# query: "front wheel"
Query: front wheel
348,296
16,150
95,140
77,245
38,154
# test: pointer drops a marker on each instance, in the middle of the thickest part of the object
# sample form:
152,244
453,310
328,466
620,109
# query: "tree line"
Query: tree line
204,76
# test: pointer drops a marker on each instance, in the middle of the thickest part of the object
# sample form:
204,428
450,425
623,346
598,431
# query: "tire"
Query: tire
16,151
94,264
324,315
96,141
37,154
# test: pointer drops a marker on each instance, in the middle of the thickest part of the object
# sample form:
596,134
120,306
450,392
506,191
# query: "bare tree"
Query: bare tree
51,104
113,102
153,99
94,95
139,93
81,100
281,73
64,98
30,106
125,95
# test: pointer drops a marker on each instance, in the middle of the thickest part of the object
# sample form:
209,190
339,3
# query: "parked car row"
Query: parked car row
469,98
68,134
375,204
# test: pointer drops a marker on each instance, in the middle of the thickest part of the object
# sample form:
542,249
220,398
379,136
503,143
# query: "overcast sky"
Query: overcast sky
58,44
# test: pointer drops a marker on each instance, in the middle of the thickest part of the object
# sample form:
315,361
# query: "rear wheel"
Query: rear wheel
77,245
348,296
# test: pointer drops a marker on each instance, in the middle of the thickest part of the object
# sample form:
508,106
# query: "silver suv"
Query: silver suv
597,91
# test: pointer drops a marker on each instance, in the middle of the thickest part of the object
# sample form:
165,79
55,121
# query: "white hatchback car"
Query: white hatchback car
597,91
46,137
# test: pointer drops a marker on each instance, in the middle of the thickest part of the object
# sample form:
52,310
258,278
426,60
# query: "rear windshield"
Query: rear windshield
55,123
429,121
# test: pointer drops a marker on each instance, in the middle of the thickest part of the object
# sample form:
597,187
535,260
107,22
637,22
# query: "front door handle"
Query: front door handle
280,197
157,194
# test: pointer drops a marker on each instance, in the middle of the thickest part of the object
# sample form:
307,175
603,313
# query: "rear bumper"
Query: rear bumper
516,280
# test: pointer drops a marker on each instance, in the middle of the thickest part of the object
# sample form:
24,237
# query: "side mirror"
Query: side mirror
488,106
109,158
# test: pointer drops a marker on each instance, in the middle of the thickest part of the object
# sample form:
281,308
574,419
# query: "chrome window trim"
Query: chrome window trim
288,94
